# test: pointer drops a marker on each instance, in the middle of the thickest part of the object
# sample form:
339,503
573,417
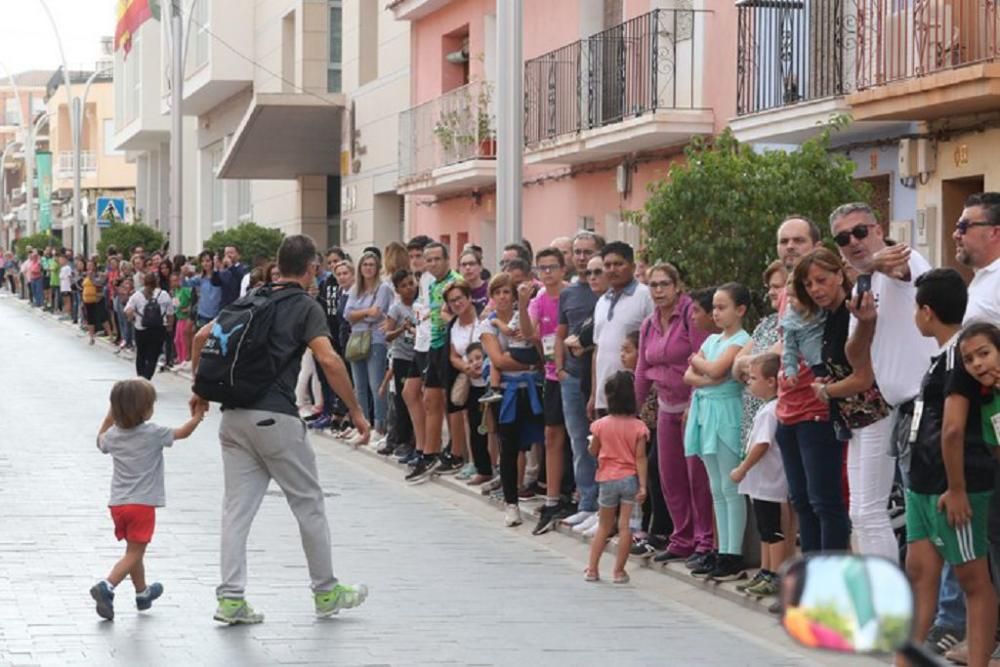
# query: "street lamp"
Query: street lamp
78,109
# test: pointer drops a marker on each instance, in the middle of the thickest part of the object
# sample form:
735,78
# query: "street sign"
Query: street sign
109,210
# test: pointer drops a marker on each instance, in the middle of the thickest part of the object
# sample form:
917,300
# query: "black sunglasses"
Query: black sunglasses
963,225
593,272
844,238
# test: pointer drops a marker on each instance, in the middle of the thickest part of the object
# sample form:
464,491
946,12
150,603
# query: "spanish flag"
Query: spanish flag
131,15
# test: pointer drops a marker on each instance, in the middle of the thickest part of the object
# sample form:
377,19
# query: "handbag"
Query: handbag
862,409
359,346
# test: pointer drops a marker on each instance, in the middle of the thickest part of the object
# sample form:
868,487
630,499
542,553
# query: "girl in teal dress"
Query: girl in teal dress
713,427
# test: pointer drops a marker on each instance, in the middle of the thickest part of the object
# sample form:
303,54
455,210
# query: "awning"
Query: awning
286,135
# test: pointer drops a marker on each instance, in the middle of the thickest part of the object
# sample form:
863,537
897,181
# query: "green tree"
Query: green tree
126,237
256,243
37,241
716,214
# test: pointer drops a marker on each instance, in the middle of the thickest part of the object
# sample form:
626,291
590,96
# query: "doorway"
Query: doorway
954,192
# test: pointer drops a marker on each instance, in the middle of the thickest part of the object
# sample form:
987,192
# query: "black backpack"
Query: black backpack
152,315
236,366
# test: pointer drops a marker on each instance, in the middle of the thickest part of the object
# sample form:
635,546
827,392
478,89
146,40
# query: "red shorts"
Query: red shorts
134,523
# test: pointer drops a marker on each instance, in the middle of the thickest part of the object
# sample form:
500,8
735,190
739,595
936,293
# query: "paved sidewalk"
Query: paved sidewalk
448,584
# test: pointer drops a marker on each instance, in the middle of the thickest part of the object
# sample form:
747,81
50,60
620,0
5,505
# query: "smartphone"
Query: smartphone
864,285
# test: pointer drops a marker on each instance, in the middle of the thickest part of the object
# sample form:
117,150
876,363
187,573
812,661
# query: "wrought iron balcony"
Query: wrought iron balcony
903,40
792,51
456,127
650,63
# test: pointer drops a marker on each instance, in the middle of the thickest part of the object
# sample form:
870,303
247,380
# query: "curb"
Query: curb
726,590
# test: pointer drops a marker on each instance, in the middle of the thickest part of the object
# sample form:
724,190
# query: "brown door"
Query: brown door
954,192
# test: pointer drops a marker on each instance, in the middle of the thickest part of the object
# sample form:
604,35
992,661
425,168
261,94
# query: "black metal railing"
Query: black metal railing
791,51
649,63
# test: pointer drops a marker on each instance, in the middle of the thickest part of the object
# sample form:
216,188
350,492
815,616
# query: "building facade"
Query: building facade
614,91
263,115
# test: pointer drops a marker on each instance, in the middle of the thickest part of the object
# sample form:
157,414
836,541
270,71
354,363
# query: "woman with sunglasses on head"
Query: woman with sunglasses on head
667,339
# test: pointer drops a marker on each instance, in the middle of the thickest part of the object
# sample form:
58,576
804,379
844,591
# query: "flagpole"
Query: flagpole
176,129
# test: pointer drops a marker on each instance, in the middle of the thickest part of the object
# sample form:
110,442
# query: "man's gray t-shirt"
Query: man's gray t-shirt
297,320
576,306
402,346
138,463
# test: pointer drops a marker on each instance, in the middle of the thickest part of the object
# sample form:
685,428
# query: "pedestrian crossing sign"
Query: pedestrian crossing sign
110,210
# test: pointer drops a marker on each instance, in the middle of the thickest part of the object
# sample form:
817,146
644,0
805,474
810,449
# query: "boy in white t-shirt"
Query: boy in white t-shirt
66,286
761,475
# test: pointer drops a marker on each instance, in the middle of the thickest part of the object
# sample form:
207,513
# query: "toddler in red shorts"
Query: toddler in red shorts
136,445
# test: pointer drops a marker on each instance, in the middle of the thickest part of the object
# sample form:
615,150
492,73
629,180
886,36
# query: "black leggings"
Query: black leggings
768,517
400,428
148,344
655,517
510,443
478,442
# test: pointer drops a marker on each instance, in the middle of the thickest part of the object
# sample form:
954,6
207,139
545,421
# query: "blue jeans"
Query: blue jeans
38,292
951,601
368,376
814,462
578,428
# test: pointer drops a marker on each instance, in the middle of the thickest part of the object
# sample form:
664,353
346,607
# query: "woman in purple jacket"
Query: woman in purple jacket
667,340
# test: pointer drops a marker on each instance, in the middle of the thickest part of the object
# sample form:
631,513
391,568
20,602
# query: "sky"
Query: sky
27,40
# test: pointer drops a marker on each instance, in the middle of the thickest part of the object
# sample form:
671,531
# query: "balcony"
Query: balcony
88,164
216,69
448,144
635,86
927,60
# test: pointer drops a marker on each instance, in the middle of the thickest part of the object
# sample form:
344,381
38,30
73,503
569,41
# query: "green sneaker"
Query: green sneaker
746,585
341,597
769,586
236,612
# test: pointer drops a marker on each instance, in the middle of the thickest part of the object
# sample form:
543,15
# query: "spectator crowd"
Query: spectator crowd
593,385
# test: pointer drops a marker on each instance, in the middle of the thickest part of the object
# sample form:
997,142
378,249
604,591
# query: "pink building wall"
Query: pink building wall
555,204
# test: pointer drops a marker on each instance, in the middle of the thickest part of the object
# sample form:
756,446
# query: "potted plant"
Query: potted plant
484,124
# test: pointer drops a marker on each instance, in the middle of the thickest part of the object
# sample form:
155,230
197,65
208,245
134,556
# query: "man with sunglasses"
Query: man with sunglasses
576,307
900,355
977,245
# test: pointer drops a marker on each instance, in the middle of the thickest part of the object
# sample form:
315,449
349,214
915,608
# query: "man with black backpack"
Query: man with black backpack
248,360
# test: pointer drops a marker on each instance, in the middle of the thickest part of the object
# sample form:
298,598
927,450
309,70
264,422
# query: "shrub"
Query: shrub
126,237
257,244
38,241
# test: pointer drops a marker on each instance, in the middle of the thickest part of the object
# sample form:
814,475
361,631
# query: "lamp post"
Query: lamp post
510,120
78,110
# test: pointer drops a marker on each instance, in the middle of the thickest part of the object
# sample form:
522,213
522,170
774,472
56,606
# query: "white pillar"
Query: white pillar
510,120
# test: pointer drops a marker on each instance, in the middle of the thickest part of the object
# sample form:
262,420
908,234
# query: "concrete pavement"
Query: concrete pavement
449,585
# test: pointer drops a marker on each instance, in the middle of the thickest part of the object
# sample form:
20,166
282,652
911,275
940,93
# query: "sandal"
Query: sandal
621,578
591,575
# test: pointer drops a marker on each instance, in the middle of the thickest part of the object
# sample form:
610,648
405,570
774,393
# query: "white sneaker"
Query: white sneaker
512,516
586,524
577,518
590,532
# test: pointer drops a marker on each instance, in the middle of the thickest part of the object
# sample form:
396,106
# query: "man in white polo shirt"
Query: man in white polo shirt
899,354
620,311
977,245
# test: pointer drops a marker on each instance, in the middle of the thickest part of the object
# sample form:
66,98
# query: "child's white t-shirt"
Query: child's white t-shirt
66,278
766,480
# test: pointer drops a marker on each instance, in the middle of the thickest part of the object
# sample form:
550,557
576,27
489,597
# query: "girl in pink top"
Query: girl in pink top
619,444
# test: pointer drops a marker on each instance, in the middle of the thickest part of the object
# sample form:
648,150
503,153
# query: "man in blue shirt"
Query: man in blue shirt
230,277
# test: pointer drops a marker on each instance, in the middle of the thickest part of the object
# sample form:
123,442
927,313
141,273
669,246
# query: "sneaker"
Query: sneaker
467,471
491,396
567,508
489,487
105,599
766,588
144,600
695,560
448,465
341,597
669,556
402,452
547,519
728,567
526,493
512,516
707,565
586,524
578,518
386,449
313,416
940,639
641,548
757,578
320,423
590,532
423,469
236,612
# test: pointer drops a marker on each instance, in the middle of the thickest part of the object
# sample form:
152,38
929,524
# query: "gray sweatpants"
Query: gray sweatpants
259,446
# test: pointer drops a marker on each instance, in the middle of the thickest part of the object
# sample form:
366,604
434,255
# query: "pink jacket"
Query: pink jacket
663,355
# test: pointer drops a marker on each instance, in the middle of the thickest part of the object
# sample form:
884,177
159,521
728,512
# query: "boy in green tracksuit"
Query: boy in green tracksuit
951,472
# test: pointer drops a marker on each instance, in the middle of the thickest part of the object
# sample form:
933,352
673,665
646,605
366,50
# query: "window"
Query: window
244,208
217,189
199,24
109,138
11,114
334,73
